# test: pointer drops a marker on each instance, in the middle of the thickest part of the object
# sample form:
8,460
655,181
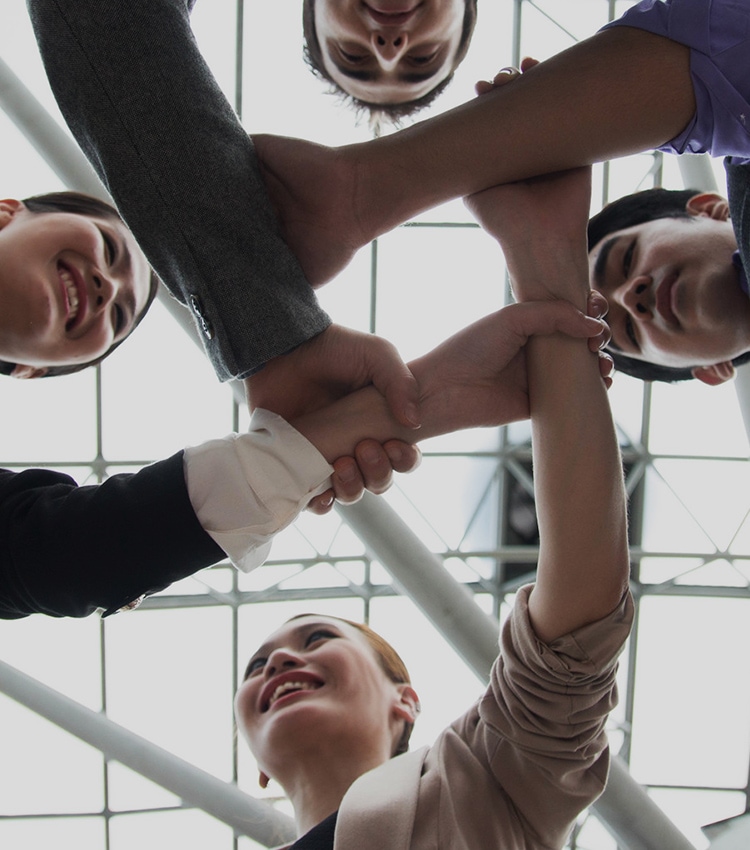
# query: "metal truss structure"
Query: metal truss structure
441,576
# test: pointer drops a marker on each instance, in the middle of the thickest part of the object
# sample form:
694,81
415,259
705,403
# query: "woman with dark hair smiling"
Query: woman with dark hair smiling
74,284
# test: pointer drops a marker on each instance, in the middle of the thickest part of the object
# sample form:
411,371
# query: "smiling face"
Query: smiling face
673,290
71,286
388,51
316,686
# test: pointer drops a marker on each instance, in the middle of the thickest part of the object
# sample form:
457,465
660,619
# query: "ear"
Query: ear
407,705
8,208
714,375
709,204
25,372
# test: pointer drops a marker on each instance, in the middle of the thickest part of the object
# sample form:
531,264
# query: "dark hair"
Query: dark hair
640,207
393,112
80,204
390,662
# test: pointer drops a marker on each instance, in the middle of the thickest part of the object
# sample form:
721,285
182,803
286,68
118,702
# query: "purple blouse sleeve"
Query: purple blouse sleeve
718,35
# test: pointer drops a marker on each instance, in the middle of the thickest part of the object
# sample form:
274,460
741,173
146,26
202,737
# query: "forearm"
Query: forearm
619,92
580,499
536,275
540,225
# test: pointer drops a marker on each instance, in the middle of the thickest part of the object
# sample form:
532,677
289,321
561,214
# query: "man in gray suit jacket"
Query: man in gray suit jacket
147,112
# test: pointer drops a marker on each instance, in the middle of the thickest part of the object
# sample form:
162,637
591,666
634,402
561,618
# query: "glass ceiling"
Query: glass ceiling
168,670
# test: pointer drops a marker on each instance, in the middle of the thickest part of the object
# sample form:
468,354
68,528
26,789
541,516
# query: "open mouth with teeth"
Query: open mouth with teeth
664,300
290,687
391,17
71,292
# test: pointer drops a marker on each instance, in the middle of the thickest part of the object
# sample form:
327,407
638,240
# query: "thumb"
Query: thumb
393,378
548,317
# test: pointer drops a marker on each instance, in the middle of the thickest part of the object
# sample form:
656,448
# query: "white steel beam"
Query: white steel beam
222,800
52,143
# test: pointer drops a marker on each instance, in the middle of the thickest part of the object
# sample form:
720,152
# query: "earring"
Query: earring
263,780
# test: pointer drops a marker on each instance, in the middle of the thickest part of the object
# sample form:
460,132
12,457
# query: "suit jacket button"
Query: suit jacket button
203,322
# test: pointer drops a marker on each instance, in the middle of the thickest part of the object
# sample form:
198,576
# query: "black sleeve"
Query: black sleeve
67,550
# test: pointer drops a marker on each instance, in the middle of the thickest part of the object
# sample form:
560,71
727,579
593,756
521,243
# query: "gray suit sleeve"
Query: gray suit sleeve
150,117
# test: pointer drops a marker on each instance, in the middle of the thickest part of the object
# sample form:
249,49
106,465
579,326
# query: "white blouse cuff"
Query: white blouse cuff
245,488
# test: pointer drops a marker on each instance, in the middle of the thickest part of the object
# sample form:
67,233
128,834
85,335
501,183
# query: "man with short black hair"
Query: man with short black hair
669,264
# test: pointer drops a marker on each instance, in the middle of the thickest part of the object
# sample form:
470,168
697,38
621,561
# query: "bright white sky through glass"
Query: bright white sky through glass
692,707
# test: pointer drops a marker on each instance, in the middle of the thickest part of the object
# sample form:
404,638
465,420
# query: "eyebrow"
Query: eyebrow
601,260
365,76
419,78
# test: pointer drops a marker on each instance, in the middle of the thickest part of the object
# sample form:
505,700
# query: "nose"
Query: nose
637,296
279,660
389,44
104,292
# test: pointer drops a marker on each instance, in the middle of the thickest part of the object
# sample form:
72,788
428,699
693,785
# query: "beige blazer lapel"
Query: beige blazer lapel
378,810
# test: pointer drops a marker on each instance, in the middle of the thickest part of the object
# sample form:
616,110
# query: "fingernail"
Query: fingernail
412,415
596,308
509,70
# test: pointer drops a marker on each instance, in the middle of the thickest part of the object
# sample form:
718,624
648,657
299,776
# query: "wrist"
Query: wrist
550,274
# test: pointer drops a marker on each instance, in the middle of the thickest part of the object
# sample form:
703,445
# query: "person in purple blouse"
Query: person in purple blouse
670,74
673,263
